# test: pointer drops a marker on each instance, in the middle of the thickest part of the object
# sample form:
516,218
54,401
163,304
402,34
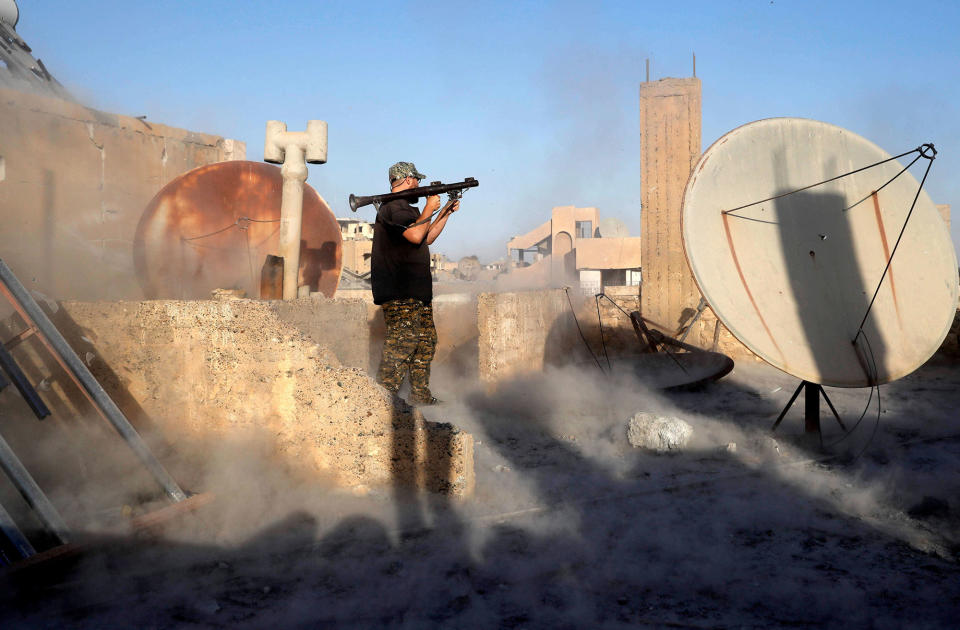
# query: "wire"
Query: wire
873,374
873,377
888,182
602,342
602,294
897,244
197,238
566,291
827,181
850,431
666,347
235,224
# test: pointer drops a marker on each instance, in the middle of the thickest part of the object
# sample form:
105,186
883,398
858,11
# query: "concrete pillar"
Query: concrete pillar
670,147
294,149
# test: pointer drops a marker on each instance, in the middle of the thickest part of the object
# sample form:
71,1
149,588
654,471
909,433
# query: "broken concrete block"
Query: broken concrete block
201,369
661,434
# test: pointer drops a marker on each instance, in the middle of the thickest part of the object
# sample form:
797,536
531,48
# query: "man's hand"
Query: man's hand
433,202
452,206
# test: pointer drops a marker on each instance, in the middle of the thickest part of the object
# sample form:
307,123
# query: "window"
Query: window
584,229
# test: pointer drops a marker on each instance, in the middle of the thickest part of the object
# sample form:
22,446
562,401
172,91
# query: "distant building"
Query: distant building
440,263
357,238
570,247
355,229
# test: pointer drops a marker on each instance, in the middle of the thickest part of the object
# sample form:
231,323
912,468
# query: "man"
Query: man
403,286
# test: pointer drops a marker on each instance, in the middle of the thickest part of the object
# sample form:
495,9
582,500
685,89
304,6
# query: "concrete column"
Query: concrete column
670,125
294,149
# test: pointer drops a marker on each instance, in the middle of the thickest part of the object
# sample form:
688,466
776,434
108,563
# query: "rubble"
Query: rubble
661,434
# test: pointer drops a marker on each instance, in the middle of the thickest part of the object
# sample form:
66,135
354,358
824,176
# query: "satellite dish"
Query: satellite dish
9,13
613,228
793,277
212,228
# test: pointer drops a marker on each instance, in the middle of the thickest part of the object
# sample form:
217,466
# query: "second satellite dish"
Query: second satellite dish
793,277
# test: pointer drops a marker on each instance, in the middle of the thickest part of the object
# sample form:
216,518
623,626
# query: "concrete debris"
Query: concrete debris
228,294
731,447
661,434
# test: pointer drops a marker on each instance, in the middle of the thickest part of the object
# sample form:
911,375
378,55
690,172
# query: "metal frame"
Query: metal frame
33,315
38,324
811,407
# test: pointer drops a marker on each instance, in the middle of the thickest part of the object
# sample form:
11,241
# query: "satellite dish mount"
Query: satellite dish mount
811,408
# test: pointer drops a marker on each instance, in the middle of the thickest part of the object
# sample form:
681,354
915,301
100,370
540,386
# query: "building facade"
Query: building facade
571,249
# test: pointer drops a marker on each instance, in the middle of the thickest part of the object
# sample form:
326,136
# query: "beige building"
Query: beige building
440,263
357,248
570,248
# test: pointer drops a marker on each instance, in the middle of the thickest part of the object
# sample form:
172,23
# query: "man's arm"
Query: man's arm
437,226
417,233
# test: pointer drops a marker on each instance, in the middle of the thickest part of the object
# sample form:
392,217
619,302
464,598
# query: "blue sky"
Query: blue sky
537,100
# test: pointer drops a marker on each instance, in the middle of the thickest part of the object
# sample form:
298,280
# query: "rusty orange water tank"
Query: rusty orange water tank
213,227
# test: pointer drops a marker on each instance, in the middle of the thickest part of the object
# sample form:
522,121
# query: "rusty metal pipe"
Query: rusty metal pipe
27,487
14,535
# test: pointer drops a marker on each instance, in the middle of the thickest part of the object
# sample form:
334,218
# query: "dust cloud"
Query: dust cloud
569,525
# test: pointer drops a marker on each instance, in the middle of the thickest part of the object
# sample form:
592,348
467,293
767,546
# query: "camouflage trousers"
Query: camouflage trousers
410,343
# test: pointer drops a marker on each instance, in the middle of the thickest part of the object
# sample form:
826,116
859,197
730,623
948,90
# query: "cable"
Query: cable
196,238
602,342
566,291
873,377
234,224
827,181
888,182
666,347
850,431
897,244
602,294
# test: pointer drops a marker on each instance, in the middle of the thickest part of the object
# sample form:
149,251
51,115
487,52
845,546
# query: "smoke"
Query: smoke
569,524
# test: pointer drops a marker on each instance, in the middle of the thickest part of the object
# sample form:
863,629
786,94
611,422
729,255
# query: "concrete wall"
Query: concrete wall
609,253
455,316
198,370
523,332
341,325
670,147
76,183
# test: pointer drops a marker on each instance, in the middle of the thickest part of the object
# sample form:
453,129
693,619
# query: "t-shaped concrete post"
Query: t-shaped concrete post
293,149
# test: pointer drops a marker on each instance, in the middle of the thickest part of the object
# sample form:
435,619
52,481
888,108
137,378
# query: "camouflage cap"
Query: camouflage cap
404,169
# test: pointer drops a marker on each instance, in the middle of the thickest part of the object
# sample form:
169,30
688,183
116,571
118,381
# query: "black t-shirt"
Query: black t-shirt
399,269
